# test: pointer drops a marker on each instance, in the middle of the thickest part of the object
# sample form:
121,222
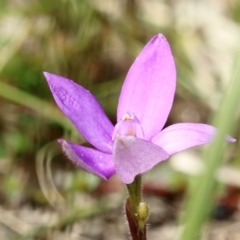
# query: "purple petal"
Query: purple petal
84,111
91,160
133,156
149,87
181,136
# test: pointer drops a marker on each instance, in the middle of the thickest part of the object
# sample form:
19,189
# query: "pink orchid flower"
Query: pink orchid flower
138,142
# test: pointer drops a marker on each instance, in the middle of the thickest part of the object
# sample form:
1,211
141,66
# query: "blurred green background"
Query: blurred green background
94,43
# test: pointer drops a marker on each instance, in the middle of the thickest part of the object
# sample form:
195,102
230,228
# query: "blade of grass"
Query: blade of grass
199,204
42,107
17,36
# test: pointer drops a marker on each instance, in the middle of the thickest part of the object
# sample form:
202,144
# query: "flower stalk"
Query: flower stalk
136,210
135,192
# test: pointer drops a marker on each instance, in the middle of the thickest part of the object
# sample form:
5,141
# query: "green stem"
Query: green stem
135,192
136,210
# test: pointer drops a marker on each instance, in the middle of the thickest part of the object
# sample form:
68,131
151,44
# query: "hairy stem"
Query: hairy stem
132,210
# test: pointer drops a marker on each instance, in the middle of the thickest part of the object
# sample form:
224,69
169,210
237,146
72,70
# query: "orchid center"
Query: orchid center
129,125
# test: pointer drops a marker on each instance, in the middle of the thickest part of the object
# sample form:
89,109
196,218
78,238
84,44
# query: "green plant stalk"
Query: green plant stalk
135,192
199,204
136,210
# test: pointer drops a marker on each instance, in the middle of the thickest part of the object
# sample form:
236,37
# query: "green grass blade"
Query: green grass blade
37,105
199,204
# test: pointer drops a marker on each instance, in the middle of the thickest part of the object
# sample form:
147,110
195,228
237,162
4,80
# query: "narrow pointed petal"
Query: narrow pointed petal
91,160
181,136
84,111
149,87
133,156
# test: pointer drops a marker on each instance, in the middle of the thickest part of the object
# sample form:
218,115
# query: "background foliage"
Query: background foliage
93,43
